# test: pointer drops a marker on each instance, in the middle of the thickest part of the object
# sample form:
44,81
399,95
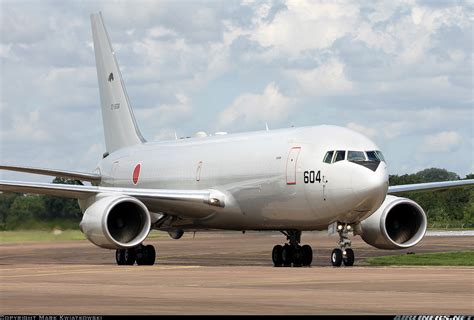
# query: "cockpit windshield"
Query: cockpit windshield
353,156
340,155
356,156
372,156
328,156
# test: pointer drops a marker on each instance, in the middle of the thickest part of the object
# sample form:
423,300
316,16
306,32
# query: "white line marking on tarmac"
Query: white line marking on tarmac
96,271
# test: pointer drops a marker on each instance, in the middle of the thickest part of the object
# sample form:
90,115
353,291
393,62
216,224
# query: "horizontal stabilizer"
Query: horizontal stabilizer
82,176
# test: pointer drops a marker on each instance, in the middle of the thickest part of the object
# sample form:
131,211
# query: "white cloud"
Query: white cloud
166,113
159,31
25,127
326,80
444,141
306,25
251,109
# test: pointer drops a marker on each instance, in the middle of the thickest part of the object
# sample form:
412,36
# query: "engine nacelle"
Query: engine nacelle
116,222
399,223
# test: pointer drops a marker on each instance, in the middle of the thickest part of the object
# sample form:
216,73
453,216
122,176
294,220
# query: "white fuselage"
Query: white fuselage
262,174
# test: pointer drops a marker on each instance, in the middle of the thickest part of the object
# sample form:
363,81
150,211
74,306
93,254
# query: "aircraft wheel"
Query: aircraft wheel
151,255
129,256
146,255
307,253
277,255
297,257
348,258
120,256
287,255
336,257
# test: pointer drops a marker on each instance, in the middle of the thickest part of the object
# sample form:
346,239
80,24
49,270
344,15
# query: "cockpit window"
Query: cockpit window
380,155
372,156
328,156
356,156
340,155
375,156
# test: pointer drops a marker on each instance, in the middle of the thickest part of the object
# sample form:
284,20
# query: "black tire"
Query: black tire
287,255
129,256
141,255
150,255
348,258
297,257
336,257
277,255
120,257
307,253
146,255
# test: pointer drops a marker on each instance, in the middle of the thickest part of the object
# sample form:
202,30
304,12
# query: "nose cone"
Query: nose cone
369,188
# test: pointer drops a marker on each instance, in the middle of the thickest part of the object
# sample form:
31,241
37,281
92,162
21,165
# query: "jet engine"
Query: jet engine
116,222
399,223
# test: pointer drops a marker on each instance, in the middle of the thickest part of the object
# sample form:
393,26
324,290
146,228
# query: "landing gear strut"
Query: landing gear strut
142,255
345,254
292,253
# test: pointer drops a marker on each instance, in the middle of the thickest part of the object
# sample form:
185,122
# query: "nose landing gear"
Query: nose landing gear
345,254
292,253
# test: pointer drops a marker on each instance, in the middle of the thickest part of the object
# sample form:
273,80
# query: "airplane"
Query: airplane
287,180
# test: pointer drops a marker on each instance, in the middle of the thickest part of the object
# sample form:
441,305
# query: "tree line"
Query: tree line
20,211
453,207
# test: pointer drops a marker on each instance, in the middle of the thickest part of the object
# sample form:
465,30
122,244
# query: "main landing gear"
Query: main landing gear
142,255
292,253
345,254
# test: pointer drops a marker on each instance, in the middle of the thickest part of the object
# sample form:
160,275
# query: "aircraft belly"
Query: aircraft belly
266,207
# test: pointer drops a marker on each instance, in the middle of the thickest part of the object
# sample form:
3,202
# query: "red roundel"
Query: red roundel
136,173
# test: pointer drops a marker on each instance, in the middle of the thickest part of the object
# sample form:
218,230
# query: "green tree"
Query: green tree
435,174
57,207
24,209
6,200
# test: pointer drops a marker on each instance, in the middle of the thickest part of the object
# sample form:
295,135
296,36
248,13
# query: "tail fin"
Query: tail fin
120,127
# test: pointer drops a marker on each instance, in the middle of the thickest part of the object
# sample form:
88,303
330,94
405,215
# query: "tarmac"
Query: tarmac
228,273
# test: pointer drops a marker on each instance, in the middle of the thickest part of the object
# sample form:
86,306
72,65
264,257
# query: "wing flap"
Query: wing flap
430,186
83,176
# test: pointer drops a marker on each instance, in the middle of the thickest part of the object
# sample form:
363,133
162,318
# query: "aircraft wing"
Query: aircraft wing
186,203
430,186
82,176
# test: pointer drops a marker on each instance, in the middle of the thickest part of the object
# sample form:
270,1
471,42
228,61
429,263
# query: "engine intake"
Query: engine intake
116,222
399,223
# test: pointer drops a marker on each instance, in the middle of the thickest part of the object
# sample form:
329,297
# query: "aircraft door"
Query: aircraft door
291,165
198,171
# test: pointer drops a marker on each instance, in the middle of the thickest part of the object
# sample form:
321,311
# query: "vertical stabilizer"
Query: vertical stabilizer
120,127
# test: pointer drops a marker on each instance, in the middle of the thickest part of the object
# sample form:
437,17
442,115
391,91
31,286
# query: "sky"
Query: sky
400,72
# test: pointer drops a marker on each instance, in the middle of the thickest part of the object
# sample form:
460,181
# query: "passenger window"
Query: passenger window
340,155
328,156
356,156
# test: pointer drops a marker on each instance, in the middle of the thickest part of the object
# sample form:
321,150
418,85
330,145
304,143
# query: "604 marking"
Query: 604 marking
312,176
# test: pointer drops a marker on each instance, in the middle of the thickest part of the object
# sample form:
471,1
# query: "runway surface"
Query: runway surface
227,273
